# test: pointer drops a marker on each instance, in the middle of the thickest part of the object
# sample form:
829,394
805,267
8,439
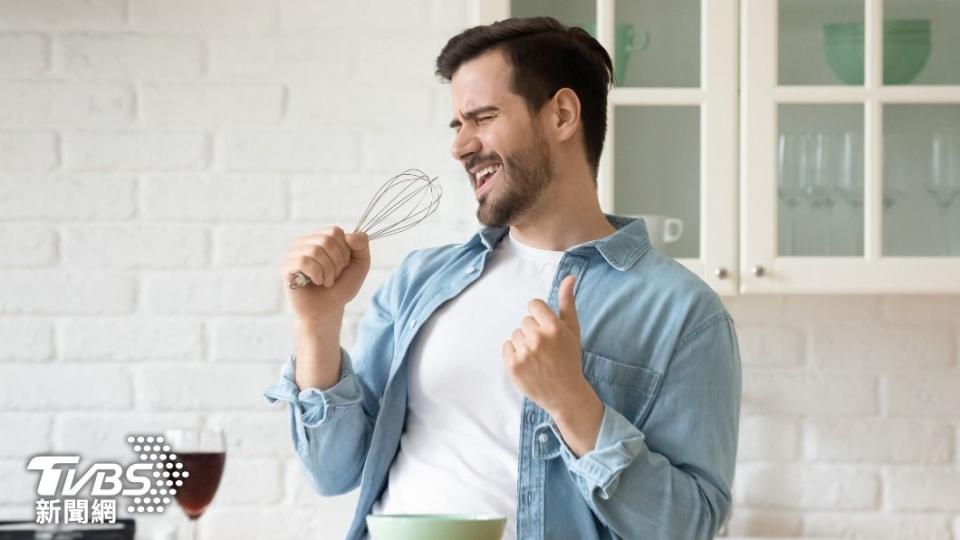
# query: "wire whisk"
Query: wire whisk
401,203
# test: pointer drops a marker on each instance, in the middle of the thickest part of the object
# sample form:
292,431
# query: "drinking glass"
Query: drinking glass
850,180
898,167
816,182
943,183
788,183
202,453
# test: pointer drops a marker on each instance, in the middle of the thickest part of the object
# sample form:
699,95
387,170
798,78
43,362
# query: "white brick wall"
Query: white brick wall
59,104
851,416
33,430
877,525
55,14
879,441
73,197
60,292
28,150
809,487
136,150
157,159
93,434
23,54
121,55
26,339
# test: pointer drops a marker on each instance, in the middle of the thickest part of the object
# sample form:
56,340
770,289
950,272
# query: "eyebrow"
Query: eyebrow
473,113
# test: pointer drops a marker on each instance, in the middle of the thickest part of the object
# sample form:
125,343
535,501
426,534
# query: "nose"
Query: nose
464,144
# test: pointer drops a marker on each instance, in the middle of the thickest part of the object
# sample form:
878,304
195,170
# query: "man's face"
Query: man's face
499,143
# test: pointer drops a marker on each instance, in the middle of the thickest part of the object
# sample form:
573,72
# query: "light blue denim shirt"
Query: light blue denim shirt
658,347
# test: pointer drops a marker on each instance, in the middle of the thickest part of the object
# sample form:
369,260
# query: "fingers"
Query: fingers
359,244
322,256
519,341
330,270
509,353
543,314
343,250
530,327
332,242
567,304
316,263
309,267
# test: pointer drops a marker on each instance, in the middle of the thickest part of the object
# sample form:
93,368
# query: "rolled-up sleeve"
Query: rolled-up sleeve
618,444
672,479
312,408
331,429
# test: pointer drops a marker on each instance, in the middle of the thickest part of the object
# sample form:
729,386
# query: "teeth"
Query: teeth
482,173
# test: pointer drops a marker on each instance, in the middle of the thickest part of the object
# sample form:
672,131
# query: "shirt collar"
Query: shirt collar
621,249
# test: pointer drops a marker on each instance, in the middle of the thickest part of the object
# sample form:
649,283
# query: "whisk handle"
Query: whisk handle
299,280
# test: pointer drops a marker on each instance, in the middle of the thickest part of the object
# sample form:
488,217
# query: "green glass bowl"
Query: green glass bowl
906,49
626,41
435,527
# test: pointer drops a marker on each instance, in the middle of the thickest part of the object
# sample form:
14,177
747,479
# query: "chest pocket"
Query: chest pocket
627,388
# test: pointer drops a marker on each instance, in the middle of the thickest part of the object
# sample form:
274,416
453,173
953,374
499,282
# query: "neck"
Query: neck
566,214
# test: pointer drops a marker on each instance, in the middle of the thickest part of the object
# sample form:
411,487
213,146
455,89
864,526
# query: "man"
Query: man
610,410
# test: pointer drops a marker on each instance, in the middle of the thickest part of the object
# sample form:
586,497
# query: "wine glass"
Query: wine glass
788,183
943,184
202,452
815,179
900,161
897,167
850,180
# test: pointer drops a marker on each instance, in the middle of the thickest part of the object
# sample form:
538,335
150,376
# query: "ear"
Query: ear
566,117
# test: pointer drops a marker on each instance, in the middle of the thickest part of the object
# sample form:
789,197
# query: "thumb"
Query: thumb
359,244
567,304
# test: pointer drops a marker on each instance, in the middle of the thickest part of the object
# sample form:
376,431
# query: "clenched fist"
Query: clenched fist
542,358
336,263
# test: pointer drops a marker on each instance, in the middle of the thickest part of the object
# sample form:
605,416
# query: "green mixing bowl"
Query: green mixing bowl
906,48
435,527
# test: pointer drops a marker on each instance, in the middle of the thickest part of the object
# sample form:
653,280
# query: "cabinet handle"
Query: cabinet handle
721,272
757,270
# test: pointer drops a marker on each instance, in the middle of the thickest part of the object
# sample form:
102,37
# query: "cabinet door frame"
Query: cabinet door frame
719,130
872,273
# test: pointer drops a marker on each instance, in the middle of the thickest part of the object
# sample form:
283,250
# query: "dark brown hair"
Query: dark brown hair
546,56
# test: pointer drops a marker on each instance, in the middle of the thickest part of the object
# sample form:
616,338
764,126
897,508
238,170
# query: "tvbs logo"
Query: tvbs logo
58,476
151,481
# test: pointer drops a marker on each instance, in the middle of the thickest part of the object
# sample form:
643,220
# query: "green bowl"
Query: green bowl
435,527
906,49
625,42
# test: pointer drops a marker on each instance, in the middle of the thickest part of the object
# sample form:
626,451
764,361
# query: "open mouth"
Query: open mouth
485,176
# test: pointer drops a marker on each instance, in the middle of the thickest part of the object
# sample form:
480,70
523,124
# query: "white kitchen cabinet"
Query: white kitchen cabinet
850,185
809,178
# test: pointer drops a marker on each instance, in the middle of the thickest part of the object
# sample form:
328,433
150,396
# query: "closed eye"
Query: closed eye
477,120
477,115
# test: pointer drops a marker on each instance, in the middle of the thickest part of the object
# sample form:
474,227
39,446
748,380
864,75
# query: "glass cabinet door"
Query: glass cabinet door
671,149
921,180
850,146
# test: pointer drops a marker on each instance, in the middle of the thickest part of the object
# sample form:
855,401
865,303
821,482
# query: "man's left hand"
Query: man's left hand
542,357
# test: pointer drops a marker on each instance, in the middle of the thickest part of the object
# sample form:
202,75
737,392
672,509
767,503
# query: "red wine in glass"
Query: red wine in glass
202,454
201,485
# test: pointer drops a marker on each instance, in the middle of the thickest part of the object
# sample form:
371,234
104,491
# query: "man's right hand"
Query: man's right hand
336,263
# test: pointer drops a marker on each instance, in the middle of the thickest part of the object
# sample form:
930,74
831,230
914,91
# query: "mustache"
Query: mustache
481,159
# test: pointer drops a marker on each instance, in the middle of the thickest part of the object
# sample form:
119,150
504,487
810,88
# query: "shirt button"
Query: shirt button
470,270
543,438
413,322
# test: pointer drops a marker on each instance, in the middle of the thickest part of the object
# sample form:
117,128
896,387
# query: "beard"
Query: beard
524,175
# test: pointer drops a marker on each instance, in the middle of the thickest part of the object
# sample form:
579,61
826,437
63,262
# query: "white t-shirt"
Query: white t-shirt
458,452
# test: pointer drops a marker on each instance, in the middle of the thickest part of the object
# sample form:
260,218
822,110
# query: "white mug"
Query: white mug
662,230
